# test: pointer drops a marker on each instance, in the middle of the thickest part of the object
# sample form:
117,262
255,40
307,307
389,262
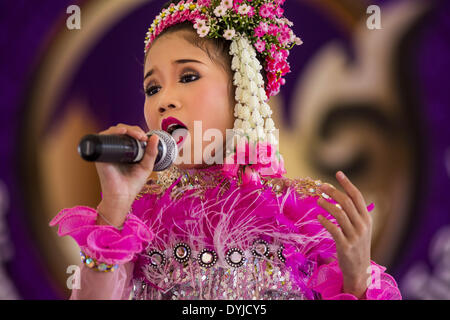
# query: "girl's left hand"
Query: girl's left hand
353,238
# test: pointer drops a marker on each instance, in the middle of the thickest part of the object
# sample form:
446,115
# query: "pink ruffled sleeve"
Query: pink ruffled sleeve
107,245
102,242
328,281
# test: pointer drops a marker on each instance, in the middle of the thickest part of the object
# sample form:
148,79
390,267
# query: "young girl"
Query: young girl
206,229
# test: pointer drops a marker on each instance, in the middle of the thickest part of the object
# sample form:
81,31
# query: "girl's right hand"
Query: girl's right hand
121,183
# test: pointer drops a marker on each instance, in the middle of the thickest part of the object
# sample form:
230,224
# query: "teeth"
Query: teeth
172,127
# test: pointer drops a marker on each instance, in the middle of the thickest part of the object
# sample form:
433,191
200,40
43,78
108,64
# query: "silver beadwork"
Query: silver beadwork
181,252
157,258
235,257
207,258
260,248
280,254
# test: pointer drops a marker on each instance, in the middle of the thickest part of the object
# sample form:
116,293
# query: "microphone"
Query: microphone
122,148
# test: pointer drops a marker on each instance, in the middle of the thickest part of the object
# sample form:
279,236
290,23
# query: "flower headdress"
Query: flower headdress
251,26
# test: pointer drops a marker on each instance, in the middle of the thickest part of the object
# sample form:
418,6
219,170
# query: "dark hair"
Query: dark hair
222,46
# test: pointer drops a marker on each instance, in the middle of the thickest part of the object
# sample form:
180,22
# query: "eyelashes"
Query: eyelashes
185,78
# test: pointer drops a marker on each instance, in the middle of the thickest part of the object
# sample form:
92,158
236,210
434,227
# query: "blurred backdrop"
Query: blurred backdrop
374,103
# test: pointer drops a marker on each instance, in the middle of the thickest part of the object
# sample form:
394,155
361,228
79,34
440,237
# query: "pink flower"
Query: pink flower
260,45
204,3
266,11
284,38
279,11
273,49
251,12
279,2
259,32
273,29
264,26
251,176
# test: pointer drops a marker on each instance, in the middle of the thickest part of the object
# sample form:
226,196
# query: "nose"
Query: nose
163,109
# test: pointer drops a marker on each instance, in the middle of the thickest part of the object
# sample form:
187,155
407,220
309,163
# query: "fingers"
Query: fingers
151,151
340,216
348,207
333,229
355,194
133,131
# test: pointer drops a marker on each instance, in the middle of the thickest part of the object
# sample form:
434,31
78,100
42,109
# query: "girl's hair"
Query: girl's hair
221,46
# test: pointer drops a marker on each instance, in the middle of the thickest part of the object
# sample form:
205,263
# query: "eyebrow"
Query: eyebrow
180,61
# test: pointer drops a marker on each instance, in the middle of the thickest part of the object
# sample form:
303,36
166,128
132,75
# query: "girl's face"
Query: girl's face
182,82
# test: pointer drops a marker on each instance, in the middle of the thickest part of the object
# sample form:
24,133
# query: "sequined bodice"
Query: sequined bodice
254,269
256,278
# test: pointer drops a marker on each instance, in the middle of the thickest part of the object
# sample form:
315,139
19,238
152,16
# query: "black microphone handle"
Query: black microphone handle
116,148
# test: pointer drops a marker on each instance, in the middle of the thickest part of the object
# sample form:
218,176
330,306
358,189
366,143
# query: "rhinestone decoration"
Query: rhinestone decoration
182,252
235,257
207,258
280,254
157,258
260,248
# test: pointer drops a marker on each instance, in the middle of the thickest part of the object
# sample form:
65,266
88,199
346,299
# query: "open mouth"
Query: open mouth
177,129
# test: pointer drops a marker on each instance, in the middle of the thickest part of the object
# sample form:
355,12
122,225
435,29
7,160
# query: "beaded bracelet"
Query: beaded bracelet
95,265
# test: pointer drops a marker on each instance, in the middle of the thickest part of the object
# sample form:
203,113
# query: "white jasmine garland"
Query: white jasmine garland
245,125
251,110
245,114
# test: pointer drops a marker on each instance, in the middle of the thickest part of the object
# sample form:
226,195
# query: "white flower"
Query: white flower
262,94
243,9
220,11
259,78
252,87
227,4
234,47
235,63
245,125
199,23
229,34
203,32
237,108
238,93
269,124
246,96
252,135
237,78
256,117
298,41
242,43
260,132
250,73
245,114
271,139
244,82
238,124
253,102
245,56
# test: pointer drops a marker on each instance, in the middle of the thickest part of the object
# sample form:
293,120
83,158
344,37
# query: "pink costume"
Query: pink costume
209,234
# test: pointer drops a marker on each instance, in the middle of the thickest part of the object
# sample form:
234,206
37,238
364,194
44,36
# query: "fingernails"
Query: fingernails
341,174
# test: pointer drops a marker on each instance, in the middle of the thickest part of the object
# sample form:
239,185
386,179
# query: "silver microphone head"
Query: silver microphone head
169,151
